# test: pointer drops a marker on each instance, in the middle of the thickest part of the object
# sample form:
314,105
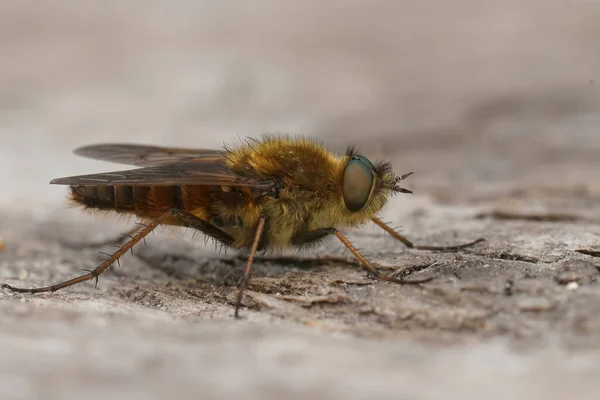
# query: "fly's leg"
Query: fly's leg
303,238
318,234
95,273
410,245
248,271
360,257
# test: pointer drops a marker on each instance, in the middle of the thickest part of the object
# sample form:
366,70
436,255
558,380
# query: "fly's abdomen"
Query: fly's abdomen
118,198
141,200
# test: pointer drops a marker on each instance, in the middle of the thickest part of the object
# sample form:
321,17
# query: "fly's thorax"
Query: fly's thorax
289,209
289,161
283,220
287,214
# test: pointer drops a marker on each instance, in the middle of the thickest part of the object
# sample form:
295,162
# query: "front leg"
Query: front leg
303,238
410,245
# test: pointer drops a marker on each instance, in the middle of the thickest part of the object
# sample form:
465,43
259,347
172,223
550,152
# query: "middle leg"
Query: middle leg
410,245
318,234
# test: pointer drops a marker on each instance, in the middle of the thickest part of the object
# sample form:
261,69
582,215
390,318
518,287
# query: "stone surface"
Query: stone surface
494,105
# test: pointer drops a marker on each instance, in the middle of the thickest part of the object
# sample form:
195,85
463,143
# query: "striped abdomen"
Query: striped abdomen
144,201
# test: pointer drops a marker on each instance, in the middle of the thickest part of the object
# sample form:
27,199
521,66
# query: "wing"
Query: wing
143,156
198,171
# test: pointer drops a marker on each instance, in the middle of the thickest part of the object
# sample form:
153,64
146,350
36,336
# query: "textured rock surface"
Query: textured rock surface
494,105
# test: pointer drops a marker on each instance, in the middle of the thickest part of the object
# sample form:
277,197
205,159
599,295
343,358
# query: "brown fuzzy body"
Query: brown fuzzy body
305,195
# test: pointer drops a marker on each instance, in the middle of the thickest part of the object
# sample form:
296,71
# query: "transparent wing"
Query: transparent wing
143,156
198,171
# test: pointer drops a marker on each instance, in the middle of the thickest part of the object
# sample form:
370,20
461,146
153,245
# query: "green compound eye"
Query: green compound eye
366,161
357,184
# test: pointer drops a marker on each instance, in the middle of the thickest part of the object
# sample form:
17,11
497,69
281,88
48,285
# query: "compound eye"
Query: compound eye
366,162
357,184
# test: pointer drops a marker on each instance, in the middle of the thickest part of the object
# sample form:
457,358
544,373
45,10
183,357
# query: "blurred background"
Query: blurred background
471,95
495,105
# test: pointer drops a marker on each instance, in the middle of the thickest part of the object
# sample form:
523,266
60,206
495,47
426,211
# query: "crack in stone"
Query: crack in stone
516,257
533,217
593,253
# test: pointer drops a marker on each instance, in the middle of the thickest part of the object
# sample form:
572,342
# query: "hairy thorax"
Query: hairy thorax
307,194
